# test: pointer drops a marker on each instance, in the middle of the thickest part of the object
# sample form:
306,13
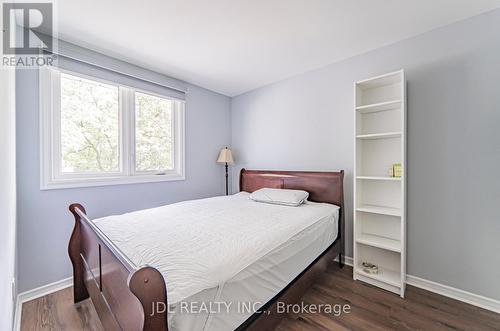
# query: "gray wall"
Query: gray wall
44,221
307,123
7,195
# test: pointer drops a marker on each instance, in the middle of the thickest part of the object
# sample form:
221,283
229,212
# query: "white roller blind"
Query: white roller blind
87,62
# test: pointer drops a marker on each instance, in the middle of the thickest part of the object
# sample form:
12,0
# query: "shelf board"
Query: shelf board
381,106
384,275
379,81
379,210
390,179
385,135
380,242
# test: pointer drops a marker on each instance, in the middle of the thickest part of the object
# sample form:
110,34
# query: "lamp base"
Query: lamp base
227,181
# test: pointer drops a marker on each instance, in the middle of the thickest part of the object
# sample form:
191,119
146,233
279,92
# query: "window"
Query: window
96,132
153,133
89,127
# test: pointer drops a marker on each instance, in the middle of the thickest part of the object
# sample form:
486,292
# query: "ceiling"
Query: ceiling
233,46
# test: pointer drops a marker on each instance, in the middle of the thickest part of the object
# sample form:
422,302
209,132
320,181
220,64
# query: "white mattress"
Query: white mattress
218,253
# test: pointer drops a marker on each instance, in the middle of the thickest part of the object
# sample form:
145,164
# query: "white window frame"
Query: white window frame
51,176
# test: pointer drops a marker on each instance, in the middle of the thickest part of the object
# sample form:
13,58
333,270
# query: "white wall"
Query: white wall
7,195
307,123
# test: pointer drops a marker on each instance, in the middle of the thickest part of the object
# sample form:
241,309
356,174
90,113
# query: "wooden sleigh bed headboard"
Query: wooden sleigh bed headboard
322,186
123,295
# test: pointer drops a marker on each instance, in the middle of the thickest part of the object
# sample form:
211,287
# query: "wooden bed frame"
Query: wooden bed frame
123,295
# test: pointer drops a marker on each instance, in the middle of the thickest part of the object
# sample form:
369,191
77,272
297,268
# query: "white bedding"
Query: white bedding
202,246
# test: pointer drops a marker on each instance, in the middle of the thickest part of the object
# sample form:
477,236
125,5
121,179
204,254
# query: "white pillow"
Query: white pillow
280,196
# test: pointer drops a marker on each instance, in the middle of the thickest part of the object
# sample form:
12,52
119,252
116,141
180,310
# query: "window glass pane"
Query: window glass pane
90,124
153,133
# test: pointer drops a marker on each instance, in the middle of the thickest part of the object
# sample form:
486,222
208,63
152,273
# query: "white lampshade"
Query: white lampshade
225,156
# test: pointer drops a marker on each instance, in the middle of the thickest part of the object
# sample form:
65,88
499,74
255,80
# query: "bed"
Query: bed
232,257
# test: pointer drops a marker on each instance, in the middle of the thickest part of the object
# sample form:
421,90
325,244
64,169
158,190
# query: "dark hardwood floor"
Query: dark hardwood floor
375,309
371,309
56,311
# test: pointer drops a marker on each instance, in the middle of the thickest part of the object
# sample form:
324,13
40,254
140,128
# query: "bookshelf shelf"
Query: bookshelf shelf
380,242
386,135
392,179
385,275
390,211
379,106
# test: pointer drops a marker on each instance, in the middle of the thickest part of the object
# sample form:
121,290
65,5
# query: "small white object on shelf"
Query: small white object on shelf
370,268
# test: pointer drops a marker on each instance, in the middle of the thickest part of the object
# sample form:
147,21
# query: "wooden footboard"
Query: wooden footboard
125,297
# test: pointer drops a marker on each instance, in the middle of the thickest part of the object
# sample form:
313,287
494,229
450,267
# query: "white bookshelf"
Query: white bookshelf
379,199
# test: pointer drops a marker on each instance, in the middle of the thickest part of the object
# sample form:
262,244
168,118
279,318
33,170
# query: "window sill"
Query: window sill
108,181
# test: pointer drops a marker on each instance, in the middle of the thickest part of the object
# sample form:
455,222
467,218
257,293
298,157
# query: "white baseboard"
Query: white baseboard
347,260
455,293
448,291
17,316
35,294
